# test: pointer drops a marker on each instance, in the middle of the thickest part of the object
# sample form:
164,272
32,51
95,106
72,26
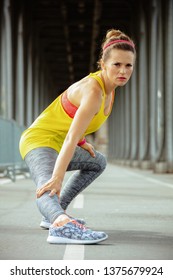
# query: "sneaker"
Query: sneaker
74,233
46,224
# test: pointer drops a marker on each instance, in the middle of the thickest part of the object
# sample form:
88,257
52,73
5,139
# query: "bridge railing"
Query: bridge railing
11,162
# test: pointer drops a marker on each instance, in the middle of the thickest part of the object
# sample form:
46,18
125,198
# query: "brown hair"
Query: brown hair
123,43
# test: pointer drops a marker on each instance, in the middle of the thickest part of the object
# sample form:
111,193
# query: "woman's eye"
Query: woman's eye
117,64
129,65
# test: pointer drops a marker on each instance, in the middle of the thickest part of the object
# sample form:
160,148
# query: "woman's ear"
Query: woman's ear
102,64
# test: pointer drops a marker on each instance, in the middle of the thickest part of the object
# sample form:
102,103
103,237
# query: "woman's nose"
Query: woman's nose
122,70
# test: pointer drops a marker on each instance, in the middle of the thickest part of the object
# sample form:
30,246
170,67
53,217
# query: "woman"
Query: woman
55,142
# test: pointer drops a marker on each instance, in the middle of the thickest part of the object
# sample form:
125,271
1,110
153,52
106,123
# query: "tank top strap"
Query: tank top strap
98,79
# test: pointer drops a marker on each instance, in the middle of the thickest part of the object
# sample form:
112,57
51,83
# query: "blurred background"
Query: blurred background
46,45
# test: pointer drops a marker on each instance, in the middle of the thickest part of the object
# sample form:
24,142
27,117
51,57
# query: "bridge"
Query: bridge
46,45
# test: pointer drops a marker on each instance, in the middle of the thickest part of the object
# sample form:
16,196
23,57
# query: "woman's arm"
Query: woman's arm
89,106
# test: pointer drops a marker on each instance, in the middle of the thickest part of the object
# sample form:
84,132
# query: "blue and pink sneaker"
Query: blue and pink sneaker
74,233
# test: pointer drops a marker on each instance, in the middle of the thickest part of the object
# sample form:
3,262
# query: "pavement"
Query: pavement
134,207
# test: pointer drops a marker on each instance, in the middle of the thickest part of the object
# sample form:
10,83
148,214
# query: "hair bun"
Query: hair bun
113,33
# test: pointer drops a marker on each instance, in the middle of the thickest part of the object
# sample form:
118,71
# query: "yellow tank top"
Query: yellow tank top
51,127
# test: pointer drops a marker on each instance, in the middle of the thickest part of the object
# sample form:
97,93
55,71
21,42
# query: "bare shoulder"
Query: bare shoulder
85,90
91,86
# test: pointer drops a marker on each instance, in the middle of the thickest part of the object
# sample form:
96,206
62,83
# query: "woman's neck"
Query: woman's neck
109,87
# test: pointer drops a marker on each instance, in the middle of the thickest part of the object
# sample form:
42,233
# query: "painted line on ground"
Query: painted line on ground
79,202
150,179
159,182
75,252
5,181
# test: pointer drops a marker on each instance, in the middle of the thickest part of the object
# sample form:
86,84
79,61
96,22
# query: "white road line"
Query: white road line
5,181
152,180
79,202
74,252
159,182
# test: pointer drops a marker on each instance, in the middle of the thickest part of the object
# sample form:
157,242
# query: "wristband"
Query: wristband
82,142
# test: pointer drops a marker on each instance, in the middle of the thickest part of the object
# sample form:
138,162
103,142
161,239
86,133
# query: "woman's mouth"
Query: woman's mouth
121,78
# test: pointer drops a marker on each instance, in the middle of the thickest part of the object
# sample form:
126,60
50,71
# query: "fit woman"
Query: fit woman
55,142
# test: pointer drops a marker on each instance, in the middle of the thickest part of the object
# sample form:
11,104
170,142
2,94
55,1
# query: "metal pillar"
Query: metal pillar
169,86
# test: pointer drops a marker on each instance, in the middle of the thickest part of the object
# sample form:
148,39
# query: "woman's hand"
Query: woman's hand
88,147
52,185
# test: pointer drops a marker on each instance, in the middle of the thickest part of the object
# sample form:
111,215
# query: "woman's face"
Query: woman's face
119,66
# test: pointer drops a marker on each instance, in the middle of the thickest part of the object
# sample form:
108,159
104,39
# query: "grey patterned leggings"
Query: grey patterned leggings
41,163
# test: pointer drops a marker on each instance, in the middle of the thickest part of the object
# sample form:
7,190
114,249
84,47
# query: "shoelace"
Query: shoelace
79,225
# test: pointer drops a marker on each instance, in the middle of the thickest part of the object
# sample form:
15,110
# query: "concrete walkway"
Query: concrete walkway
134,207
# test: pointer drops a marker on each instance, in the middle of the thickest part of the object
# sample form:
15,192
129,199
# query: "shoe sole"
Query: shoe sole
45,225
62,240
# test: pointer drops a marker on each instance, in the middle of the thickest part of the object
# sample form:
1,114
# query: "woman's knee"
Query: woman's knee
101,160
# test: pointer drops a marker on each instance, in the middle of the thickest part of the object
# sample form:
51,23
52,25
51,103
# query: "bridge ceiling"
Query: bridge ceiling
70,33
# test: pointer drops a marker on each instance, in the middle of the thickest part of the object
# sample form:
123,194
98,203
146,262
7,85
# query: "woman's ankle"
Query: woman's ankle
61,220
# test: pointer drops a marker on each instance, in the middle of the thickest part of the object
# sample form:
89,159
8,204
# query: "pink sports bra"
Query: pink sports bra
68,107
